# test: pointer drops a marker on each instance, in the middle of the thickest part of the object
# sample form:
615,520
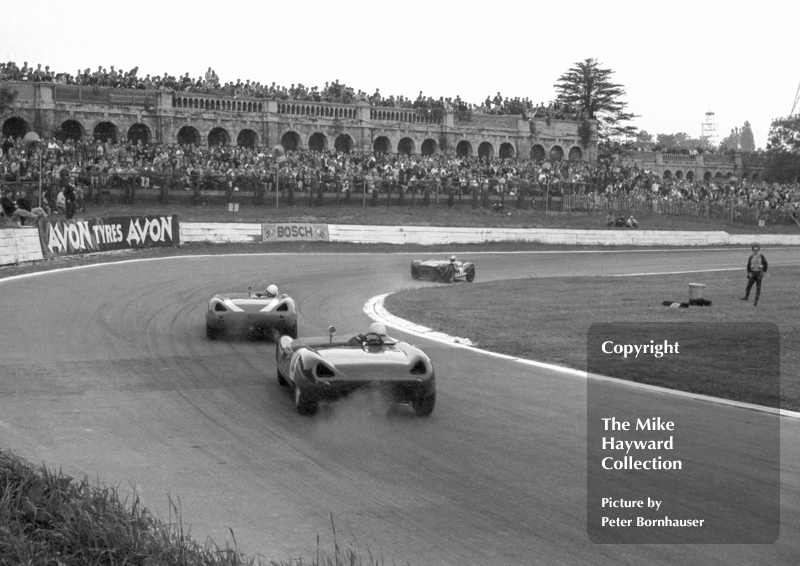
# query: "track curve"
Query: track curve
106,372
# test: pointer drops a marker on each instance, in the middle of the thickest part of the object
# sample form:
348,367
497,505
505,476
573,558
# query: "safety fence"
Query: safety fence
133,189
716,210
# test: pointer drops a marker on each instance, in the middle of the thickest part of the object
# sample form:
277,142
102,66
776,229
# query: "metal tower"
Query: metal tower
796,99
709,129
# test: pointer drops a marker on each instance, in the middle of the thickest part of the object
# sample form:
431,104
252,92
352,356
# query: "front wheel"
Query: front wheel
303,404
449,274
281,379
424,406
212,333
470,274
414,273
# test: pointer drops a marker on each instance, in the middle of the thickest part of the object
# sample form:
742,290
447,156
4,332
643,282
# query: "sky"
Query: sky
677,60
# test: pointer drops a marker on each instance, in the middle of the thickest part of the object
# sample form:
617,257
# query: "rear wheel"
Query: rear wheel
424,406
414,272
470,274
212,333
303,404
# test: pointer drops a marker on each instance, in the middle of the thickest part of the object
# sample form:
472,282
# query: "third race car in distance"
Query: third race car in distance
329,367
251,312
443,270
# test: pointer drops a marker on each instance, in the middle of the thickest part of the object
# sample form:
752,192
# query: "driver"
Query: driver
375,328
270,293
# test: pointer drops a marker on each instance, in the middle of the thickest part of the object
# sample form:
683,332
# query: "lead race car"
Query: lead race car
327,368
443,270
252,312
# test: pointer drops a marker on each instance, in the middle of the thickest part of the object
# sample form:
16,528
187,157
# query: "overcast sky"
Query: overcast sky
677,59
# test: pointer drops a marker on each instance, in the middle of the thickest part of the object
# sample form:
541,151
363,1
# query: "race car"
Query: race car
443,270
252,312
327,368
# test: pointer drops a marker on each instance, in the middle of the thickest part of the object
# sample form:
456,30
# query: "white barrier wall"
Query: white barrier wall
612,237
18,245
220,233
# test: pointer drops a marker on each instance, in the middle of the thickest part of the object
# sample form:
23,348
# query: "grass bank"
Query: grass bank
435,215
548,320
50,519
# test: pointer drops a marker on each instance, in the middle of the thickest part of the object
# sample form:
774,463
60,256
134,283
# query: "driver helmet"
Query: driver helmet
272,291
377,328
452,259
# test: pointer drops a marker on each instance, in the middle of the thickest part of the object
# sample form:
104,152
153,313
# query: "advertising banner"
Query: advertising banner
294,232
85,235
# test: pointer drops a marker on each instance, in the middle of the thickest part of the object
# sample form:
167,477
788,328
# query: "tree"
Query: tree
783,150
680,140
587,88
747,141
733,141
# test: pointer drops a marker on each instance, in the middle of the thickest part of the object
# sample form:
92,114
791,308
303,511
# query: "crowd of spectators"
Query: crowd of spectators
209,83
94,165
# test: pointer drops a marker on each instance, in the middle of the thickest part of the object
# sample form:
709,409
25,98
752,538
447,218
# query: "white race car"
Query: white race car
252,312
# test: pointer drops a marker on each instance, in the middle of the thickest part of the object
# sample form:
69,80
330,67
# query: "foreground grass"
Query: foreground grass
49,519
548,319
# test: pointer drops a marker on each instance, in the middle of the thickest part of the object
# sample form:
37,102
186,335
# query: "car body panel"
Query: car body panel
324,369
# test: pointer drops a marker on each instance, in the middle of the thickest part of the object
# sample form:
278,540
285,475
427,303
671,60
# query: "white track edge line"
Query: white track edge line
375,309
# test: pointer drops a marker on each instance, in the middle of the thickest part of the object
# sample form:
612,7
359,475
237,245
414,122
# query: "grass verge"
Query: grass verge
462,215
548,319
50,519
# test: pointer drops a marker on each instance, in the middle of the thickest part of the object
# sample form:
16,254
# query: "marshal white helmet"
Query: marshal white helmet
377,328
272,291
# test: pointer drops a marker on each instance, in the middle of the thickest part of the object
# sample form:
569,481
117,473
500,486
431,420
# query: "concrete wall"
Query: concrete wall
19,245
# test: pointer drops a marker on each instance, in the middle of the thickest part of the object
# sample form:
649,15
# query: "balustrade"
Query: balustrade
227,104
320,109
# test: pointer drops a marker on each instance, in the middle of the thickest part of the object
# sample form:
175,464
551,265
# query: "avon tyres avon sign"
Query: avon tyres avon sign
70,237
289,232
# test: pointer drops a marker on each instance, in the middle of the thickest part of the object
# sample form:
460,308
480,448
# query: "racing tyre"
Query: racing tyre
450,274
212,333
424,406
304,406
291,332
470,274
414,273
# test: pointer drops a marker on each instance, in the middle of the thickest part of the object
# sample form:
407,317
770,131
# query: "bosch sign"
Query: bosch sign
288,232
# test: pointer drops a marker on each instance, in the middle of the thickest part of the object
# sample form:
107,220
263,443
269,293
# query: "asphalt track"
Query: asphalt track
106,373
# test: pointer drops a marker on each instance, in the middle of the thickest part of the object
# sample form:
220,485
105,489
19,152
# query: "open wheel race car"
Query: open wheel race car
251,312
326,368
443,270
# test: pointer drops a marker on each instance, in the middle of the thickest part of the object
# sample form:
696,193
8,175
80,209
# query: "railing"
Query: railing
320,109
413,115
220,189
716,210
680,158
103,95
212,102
